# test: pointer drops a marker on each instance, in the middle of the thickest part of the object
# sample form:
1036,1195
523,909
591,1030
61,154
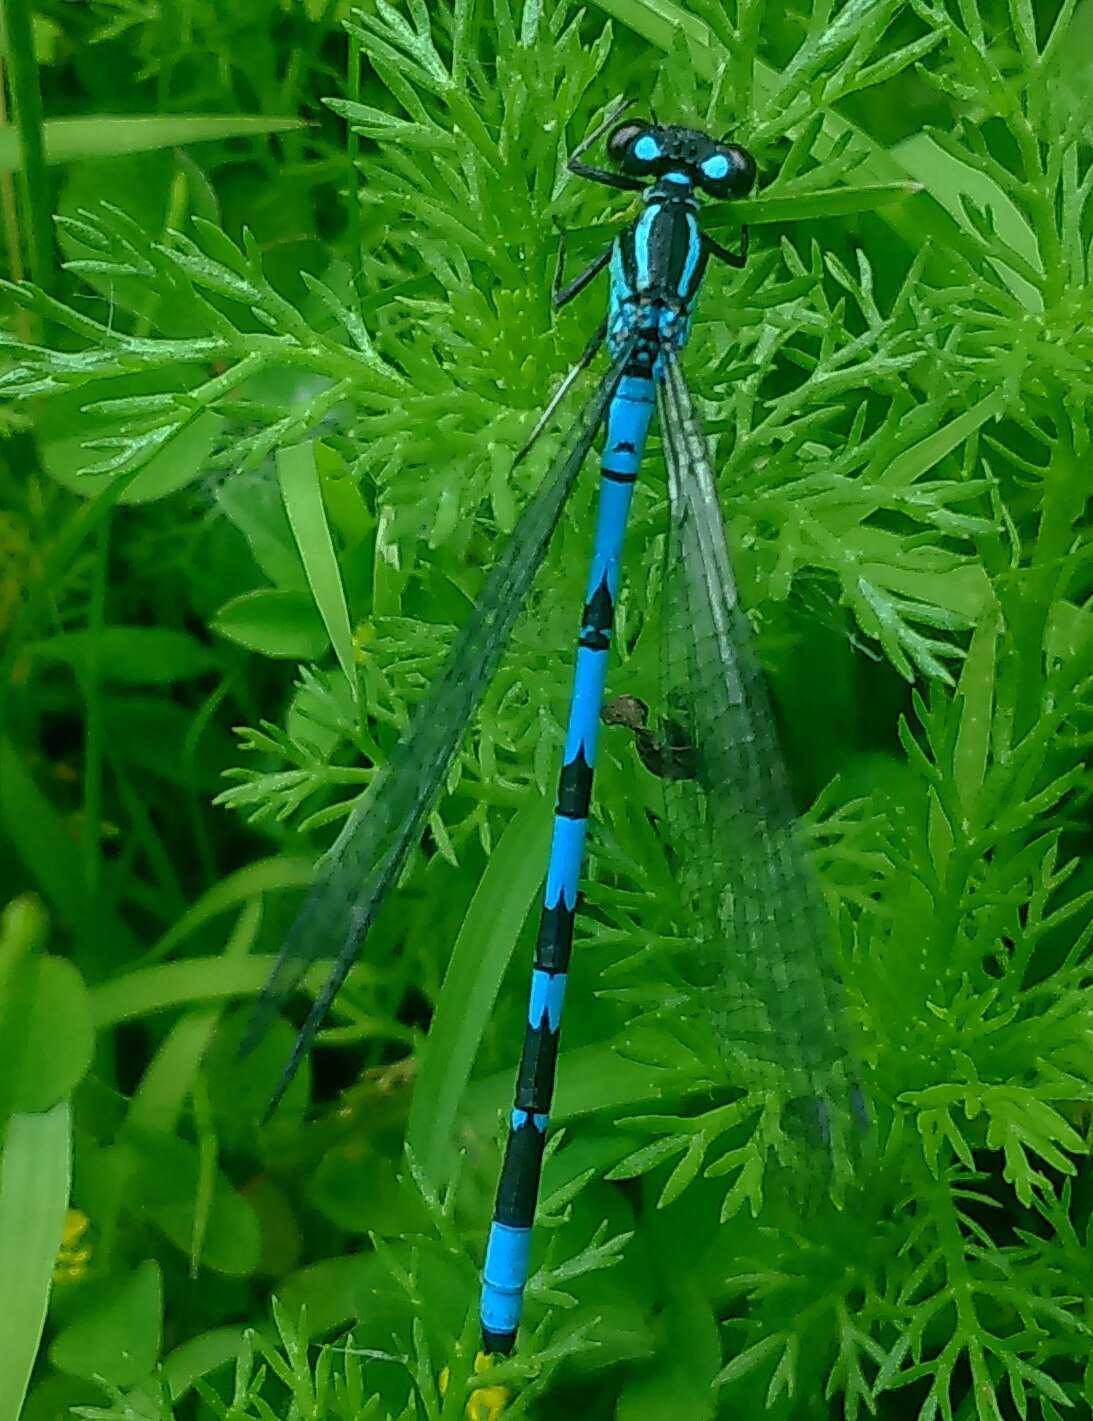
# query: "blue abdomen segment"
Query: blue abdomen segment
547,997
627,426
503,1279
518,1191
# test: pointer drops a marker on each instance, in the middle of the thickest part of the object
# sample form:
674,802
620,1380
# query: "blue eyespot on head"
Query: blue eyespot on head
727,170
641,149
635,148
646,149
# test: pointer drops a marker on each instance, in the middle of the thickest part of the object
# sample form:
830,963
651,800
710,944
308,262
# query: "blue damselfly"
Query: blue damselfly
758,913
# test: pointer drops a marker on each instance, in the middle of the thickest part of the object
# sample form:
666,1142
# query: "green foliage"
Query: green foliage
257,457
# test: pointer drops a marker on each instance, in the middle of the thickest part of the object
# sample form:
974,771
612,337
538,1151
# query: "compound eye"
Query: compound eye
635,148
728,171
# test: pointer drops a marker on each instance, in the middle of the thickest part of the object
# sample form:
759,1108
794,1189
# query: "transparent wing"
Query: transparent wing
368,855
765,933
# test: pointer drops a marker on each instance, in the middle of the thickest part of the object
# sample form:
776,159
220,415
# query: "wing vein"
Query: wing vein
756,899
368,855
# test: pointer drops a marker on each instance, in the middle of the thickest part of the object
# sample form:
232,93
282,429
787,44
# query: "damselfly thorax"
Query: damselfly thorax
657,266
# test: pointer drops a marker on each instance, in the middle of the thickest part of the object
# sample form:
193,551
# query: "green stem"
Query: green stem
93,693
352,148
26,98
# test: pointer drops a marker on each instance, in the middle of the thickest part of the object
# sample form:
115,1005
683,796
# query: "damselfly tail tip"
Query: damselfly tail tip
278,1093
524,449
256,1029
259,1022
271,1105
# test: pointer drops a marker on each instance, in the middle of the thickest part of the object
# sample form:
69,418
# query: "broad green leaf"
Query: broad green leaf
67,451
35,1168
252,501
132,656
811,206
72,140
278,624
57,1038
299,478
165,1085
167,1181
22,931
199,1356
477,965
144,990
118,1335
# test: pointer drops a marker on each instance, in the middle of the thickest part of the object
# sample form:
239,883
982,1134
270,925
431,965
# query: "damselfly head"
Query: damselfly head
643,149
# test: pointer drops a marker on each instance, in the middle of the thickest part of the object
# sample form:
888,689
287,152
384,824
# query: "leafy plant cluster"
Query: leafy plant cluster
258,440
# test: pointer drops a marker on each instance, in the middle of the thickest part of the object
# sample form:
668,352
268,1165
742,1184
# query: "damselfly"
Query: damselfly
758,911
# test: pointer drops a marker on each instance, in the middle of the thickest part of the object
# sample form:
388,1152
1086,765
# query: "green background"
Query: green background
276,319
